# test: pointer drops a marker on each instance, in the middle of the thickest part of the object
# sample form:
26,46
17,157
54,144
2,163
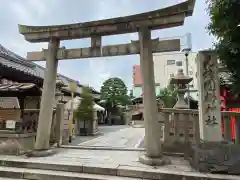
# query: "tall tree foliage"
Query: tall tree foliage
131,94
84,111
224,21
168,95
114,92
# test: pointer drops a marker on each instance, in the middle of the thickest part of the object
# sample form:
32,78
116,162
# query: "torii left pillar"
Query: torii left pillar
48,95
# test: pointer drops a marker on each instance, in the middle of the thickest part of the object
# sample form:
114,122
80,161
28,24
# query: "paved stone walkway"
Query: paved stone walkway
124,163
103,129
101,158
123,138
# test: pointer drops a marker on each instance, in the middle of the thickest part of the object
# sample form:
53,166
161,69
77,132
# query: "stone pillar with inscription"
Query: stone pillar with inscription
212,154
209,97
154,154
48,96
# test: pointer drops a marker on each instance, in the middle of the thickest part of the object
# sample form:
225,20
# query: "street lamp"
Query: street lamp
186,53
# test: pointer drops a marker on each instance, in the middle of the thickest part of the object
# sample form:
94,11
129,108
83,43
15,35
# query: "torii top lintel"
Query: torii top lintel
171,16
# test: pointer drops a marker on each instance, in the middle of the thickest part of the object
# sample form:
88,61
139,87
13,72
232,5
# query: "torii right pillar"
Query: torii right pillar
153,146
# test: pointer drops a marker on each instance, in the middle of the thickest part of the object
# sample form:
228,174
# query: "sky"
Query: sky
94,71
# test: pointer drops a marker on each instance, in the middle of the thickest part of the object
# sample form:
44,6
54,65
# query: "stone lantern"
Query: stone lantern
58,94
180,81
58,99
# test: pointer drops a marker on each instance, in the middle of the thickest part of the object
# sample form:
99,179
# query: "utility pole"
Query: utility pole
71,128
186,53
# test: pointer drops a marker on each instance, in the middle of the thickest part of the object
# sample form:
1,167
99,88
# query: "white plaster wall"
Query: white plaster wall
163,71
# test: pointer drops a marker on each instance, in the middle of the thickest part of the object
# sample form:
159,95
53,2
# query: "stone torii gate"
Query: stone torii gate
172,16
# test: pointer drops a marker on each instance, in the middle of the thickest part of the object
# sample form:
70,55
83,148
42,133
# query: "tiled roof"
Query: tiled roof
12,60
14,57
16,86
19,67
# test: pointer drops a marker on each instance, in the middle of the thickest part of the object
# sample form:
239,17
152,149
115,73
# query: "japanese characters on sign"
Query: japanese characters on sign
210,92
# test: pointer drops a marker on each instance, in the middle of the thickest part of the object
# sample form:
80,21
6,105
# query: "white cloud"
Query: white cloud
24,13
106,9
35,12
29,11
99,73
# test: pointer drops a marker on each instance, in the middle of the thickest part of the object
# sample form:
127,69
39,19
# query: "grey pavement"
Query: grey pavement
124,138
108,129
107,158
103,129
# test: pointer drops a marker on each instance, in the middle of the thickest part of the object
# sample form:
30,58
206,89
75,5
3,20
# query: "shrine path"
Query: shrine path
123,138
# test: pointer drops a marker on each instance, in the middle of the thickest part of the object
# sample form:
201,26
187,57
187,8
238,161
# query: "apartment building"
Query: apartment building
166,66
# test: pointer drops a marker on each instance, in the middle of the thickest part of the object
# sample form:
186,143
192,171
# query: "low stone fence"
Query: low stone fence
180,128
231,126
19,133
26,124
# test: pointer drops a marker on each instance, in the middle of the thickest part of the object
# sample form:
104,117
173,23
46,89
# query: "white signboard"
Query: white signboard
10,124
66,119
170,62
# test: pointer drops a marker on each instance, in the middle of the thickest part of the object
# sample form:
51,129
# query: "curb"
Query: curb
16,170
101,148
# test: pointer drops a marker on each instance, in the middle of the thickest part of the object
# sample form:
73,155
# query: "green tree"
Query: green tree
131,94
84,111
114,93
224,21
168,95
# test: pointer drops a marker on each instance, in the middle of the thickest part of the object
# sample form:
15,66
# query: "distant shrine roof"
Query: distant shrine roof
11,60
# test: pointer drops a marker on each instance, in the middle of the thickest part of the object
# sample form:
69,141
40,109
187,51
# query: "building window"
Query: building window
179,63
191,86
170,62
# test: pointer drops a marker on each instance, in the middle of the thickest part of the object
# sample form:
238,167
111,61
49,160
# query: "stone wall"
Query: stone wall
31,102
179,129
91,127
16,144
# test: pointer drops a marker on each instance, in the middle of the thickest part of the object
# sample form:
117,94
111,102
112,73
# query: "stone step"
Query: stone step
38,174
100,170
2,178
